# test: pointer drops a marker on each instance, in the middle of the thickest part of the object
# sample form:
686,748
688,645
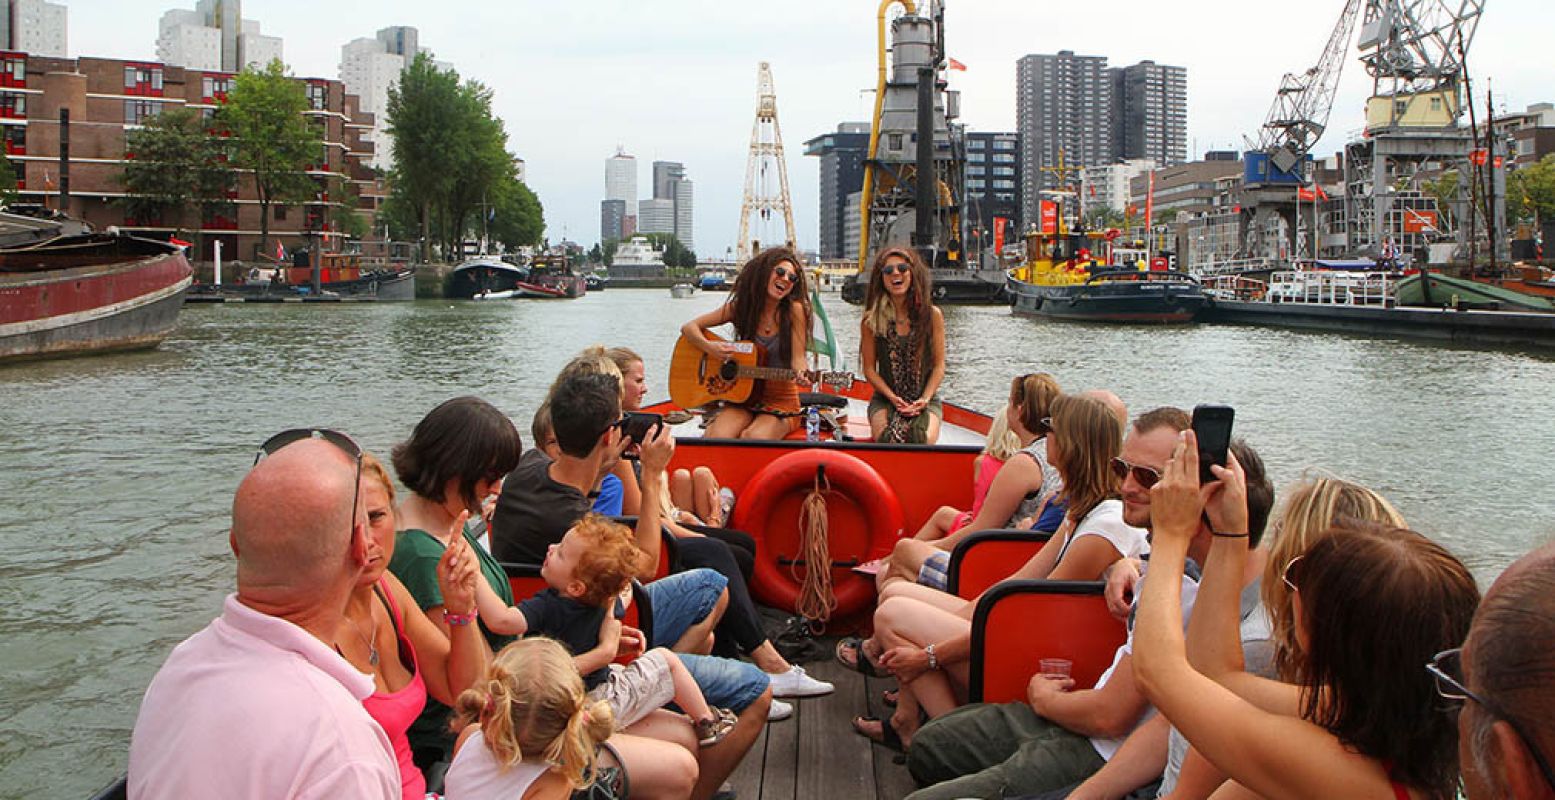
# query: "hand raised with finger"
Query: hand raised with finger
1175,502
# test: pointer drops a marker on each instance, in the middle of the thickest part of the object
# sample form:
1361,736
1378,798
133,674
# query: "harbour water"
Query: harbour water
116,473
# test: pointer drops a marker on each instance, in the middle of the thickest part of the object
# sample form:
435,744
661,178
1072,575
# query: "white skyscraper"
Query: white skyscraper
370,68
621,180
656,215
683,212
184,38
36,27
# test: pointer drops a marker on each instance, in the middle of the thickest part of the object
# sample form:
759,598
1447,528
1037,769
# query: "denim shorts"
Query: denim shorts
725,682
680,601
933,572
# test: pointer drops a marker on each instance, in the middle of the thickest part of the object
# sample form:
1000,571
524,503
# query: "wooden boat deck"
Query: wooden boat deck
815,755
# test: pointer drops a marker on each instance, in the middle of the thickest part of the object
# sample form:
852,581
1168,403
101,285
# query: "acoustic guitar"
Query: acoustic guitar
697,379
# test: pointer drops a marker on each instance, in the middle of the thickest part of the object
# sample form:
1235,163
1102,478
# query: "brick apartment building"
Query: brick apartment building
109,97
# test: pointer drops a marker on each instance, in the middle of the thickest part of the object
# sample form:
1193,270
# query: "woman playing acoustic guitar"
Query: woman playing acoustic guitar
768,306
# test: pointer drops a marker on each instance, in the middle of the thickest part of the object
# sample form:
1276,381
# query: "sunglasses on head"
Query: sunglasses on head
1292,574
1447,668
346,444
897,268
1143,475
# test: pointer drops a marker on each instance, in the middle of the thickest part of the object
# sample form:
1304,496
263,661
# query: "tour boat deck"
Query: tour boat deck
815,755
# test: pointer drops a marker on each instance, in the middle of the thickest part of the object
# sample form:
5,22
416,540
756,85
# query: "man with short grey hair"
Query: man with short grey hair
1505,674
259,703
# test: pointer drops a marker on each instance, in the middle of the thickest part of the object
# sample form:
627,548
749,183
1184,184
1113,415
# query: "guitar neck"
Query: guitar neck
768,373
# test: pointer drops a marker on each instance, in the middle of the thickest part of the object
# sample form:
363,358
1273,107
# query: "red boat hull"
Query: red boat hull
111,300
921,477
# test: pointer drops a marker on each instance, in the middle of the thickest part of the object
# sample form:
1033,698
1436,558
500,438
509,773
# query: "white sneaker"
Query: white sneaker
779,710
795,683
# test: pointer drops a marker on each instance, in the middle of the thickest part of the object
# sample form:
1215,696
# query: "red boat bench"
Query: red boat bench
1019,623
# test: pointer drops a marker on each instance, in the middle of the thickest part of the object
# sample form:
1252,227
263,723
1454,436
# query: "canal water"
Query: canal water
116,472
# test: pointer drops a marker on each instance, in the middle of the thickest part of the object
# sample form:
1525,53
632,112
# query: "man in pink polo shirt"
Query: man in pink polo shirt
259,704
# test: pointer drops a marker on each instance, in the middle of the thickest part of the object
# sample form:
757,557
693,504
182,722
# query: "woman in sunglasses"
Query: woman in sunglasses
924,635
769,306
1370,605
902,349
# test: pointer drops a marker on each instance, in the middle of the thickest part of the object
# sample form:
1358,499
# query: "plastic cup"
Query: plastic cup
1056,667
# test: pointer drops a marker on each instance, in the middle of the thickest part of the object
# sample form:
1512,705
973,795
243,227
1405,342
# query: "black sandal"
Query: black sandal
861,663
889,738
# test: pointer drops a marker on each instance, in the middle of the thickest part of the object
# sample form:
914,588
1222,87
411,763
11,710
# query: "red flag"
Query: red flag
1049,214
998,234
174,240
1477,157
1497,162
954,64
1306,194
1321,195
1093,190
280,252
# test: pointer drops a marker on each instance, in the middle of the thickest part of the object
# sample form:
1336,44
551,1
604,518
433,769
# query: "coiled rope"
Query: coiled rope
816,600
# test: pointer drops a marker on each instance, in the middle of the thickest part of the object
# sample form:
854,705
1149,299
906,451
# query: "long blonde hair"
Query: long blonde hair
1002,442
531,707
1312,508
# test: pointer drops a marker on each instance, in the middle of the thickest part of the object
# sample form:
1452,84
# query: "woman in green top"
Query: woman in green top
902,349
454,459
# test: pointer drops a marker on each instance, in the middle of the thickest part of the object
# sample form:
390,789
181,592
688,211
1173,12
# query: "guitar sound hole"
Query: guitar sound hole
728,371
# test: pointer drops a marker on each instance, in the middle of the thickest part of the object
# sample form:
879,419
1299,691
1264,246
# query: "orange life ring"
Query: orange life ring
864,520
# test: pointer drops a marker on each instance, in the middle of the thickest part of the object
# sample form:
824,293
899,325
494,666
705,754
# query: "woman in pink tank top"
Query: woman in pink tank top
408,657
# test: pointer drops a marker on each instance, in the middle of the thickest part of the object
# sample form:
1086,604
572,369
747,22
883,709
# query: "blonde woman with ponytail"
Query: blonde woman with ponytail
531,732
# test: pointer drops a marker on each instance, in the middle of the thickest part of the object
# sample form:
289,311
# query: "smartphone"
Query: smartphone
1212,426
639,425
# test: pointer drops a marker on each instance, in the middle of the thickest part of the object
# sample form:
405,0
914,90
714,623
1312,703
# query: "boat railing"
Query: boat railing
1235,287
1333,287
1233,266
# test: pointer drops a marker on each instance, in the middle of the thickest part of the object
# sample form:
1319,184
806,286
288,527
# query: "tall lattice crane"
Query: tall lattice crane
1412,47
1304,100
763,200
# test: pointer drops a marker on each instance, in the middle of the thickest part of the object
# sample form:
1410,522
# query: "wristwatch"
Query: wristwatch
933,659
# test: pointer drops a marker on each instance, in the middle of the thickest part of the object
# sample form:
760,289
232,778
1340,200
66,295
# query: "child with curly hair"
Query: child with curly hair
585,573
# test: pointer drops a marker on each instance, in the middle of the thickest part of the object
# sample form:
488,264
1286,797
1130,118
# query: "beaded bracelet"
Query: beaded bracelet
460,619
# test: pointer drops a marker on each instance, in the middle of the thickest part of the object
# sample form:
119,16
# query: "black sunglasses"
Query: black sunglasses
895,268
1143,475
1447,668
785,273
346,444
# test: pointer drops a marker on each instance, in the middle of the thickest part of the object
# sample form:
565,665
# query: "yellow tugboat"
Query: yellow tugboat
1087,276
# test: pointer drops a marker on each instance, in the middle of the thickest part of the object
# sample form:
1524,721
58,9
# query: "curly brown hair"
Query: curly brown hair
749,294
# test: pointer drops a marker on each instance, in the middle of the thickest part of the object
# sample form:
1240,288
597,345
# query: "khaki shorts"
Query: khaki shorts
636,690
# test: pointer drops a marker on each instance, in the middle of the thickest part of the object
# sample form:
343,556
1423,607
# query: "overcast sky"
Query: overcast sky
676,79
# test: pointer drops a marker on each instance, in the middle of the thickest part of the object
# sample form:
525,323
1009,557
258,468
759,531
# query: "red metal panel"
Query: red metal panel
82,289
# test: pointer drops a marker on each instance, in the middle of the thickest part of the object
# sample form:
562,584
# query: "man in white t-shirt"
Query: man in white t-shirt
1147,763
259,703
1059,737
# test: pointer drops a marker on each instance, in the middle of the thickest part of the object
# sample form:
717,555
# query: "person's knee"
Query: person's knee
703,475
681,771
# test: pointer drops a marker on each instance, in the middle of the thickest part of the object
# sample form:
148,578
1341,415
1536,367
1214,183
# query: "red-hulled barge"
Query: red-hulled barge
87,294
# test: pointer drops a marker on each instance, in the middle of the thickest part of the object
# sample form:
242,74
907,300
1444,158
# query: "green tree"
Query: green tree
343,214
450,155
175,164
595,255
516,216
607,251
1530,191
270,138
675,253
1100,218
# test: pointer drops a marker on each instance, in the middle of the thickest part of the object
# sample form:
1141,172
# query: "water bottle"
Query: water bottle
812,424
